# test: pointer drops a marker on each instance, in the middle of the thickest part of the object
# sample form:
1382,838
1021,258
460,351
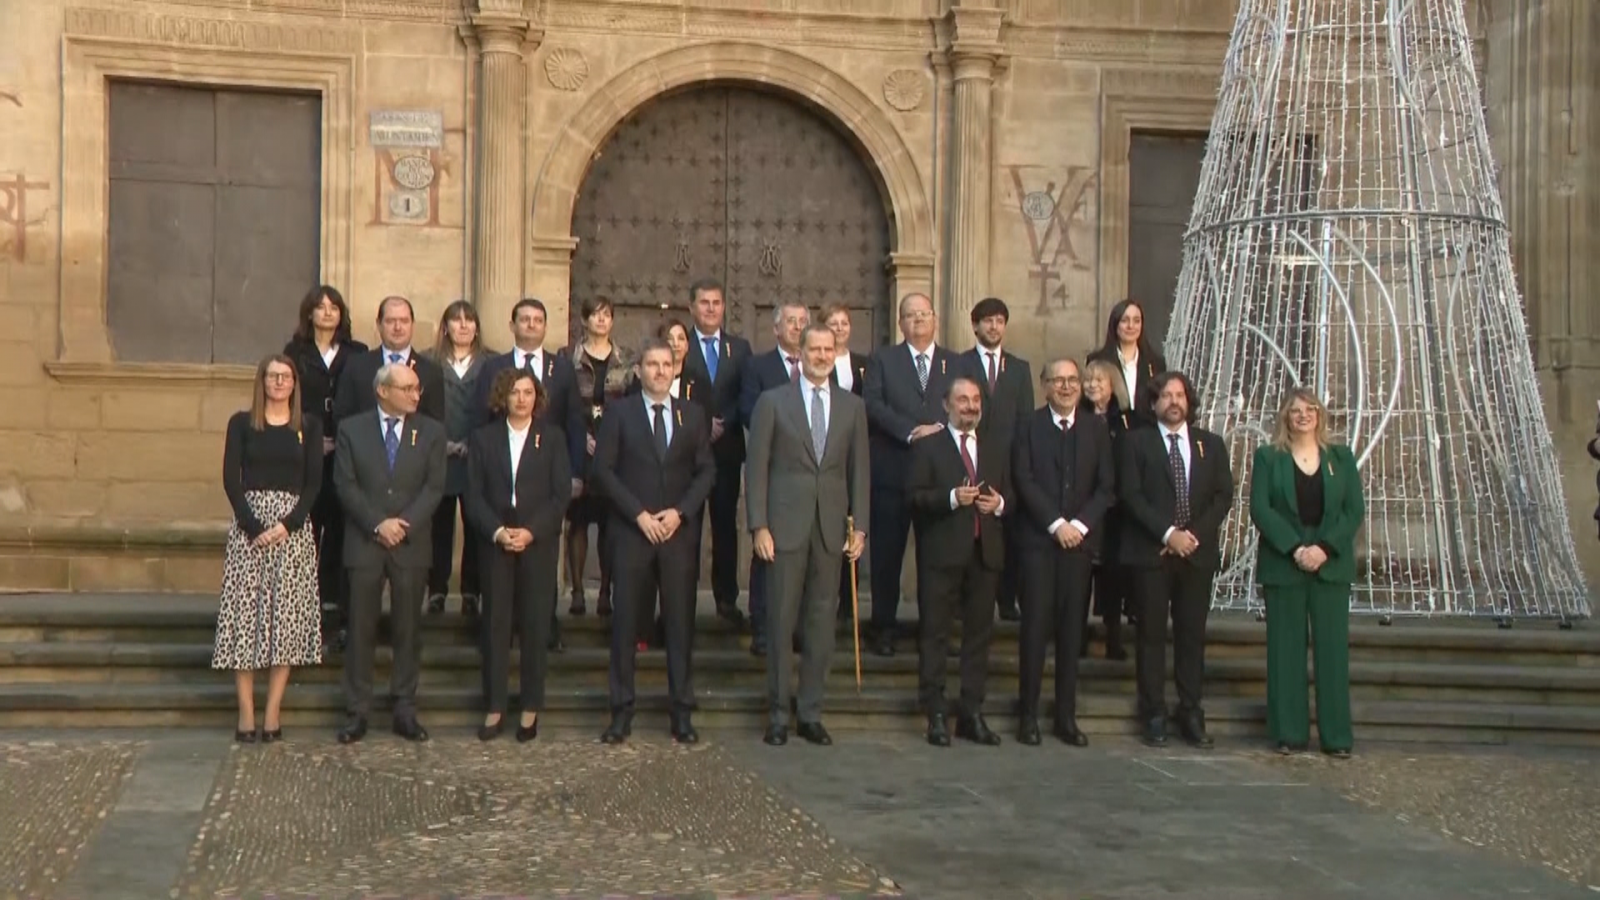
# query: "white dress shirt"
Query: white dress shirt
1182,432
1130,372
519,439
330,354
809,390
650,414
842,371
972,450
525,359
1070,420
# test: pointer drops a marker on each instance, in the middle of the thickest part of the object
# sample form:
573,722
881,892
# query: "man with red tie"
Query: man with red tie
959,493
777,368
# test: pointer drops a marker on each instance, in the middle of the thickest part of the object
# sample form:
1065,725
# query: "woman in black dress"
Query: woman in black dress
1137,363
320,348
267,619
603,373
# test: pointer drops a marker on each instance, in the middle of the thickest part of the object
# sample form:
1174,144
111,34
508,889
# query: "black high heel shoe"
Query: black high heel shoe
273,736
245,737
490,732
527,734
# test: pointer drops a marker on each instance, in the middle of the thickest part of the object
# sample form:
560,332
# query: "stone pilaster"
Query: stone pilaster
973,55
504,38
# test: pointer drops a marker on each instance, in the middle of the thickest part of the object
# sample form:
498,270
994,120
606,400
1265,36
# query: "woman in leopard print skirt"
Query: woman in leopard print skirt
270,613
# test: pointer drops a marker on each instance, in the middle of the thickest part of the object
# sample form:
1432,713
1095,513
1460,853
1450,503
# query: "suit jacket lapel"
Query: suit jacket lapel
794,405
836,423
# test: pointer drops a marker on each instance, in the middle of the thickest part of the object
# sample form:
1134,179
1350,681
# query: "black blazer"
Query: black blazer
858,369
944,535
723,400
318,379
543,488
1062,476
761,374
896,405
1144,374
1012,398
628,472
1145,494
560,387
354,393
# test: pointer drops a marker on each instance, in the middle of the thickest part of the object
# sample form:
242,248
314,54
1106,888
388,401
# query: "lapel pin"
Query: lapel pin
411,362
679,411
1330,468
413,437
536,442
941,367
688,390
301,437
1002,363
1200,448
727,351
1124,421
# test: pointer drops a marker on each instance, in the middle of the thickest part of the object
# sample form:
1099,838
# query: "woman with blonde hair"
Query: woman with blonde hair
460,353
1306,504
269,616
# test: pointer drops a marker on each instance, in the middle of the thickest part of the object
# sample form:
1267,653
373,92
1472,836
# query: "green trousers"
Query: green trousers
1327,609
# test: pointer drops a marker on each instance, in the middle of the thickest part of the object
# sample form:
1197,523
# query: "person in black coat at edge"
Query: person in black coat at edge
850,373
320,349
1594,452
1136,361
1111,600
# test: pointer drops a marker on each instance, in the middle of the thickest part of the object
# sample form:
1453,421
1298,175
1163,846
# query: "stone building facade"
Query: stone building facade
174,174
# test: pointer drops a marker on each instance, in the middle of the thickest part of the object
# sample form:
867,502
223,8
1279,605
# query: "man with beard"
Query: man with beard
807,471
1062,465
1175,487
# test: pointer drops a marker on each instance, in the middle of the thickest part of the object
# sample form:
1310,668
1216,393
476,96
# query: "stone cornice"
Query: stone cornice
197,31
505,32
833,29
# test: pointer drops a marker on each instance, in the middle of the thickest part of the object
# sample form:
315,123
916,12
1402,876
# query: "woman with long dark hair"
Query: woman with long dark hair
267,617
603,372
459,351
319,349
1137,362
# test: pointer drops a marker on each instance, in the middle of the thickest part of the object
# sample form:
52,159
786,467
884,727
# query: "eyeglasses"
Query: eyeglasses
1061,381
918,316
408,389
279,377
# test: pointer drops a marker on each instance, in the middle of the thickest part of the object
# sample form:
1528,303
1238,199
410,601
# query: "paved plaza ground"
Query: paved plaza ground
188,814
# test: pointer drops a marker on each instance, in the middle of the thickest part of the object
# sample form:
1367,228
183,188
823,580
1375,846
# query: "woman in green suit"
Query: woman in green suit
1305,500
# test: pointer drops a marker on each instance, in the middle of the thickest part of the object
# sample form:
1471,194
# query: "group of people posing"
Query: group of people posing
347,474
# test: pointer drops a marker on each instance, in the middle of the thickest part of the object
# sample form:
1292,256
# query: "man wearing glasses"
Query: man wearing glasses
904,394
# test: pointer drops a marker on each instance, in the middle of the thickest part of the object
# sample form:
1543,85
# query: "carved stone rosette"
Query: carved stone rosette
566,69
904,89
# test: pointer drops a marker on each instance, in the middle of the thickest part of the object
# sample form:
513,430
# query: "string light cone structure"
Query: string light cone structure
1347,236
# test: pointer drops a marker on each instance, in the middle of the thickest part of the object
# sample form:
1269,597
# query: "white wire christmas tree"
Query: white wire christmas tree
1347,236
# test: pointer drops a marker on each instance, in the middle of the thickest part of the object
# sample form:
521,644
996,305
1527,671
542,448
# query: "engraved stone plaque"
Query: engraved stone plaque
406,128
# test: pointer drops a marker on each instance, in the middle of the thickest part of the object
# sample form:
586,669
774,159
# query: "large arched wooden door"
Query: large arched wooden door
741,185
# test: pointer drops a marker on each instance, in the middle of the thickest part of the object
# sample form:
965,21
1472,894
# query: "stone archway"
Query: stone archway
560,177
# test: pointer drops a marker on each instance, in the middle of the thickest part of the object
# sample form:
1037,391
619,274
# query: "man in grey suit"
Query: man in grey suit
389,471
807,470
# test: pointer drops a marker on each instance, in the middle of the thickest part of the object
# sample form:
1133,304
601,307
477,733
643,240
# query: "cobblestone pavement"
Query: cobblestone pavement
457,817
1540,807
53,798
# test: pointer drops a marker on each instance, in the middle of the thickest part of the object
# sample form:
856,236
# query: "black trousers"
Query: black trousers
944,592
406,584
520,597
1010,576
1054,597
1178,589
327,531
758,595
889,532
444,541
642,569
723,511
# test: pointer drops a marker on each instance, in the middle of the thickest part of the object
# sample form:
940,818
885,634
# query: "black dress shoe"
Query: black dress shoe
1116,652
976,730
621,726
1155,732
683,730
527,734
1010,613
758,646
883,645
354,730
245,737
490,732
556,645
938,733
1193,728
776,736
1338,754
435,604
814,733
730,614
273,736
1028,731
470,606
1069,734
410,729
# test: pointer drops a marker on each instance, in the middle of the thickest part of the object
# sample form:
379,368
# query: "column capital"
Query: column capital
497,31
974,50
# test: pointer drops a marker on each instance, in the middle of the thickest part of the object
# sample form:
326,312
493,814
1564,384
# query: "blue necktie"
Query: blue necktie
711,356
391,439
394,357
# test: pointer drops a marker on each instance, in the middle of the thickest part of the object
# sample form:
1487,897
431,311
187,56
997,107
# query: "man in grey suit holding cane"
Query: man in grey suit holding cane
806,475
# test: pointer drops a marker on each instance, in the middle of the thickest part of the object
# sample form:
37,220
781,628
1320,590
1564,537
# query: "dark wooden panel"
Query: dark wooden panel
1163,175
269,139
161,124
266,254
158,294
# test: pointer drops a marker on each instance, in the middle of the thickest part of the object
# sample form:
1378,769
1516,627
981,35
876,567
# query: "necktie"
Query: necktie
922,371
711,356
527,364
394,357
1180,483
794,368
661,429
391,439
990,354
819,423
972,474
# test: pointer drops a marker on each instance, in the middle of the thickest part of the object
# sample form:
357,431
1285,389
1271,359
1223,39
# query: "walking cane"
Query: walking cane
855,601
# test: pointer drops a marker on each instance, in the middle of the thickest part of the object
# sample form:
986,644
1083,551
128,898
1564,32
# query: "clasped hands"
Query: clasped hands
767,551
1310,557
513,540
277,534
1181,543
391,532
986,498
659,527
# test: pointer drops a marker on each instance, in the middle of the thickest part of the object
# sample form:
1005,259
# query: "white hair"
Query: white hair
386,375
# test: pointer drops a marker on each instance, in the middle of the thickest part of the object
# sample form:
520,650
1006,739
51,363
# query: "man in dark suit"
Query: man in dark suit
959,492
779,366
653,462
355,394
904,396
1007,386
389,470
1062,465
718,359
807,474
1175,487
